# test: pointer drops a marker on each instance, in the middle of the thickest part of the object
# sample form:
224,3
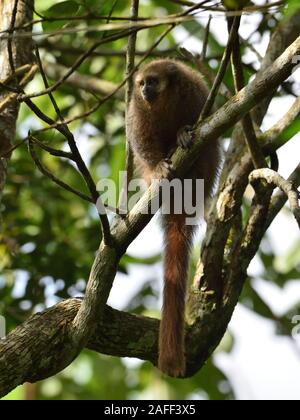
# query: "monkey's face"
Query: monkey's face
150,86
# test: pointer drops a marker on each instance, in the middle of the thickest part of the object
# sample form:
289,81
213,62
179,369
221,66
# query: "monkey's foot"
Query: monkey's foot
185,137
164,169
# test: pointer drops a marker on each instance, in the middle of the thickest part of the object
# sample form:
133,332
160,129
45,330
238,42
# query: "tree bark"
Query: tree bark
14,52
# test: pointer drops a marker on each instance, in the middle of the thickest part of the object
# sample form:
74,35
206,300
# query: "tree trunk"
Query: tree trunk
15,51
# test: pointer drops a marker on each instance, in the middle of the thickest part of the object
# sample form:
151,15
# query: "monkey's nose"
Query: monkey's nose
149,93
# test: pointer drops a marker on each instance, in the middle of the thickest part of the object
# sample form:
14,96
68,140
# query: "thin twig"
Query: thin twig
220,75
82,58
280,197
53,19
77,63
62,154
44,77
4,86
53,178
183,2
130,53
51,150
63,129
205,71
76,156
130,56
8,152
239,82
13,96
194,7
109,17
205,41
90,84
149,23
10,39
252,48
275,180
104,52
20,71
273,135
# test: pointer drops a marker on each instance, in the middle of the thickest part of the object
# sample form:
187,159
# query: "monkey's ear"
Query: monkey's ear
172,68
172,71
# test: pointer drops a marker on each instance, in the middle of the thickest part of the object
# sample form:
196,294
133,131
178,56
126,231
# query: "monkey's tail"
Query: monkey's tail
178,239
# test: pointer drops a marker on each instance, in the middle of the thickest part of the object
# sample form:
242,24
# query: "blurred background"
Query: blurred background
49,237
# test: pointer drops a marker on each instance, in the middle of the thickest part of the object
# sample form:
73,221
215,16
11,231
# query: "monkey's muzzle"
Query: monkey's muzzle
149,93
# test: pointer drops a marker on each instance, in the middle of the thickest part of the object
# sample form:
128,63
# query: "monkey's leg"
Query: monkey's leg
178,239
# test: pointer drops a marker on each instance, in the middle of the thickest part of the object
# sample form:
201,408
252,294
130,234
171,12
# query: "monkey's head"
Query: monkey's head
155,80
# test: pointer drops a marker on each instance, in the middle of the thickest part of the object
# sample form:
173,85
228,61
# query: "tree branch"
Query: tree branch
130,57
275,180
50,175
280,198
239,81
221,73
274,136
82,81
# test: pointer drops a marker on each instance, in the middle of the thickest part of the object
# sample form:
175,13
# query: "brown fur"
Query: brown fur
153,126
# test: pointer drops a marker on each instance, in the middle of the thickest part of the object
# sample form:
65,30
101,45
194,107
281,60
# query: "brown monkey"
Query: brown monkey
168,97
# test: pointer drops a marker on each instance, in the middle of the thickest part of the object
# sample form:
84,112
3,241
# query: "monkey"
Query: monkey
166,102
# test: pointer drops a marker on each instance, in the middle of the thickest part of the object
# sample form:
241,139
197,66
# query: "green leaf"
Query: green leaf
252,300
64,9
102,7
292,7
289,133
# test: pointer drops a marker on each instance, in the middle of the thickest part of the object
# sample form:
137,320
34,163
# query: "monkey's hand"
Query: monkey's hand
185,137
164,170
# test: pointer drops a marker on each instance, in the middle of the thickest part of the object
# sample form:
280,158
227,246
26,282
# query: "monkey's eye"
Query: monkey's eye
142,82
152,81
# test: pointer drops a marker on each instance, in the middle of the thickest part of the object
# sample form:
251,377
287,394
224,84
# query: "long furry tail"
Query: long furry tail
178,239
